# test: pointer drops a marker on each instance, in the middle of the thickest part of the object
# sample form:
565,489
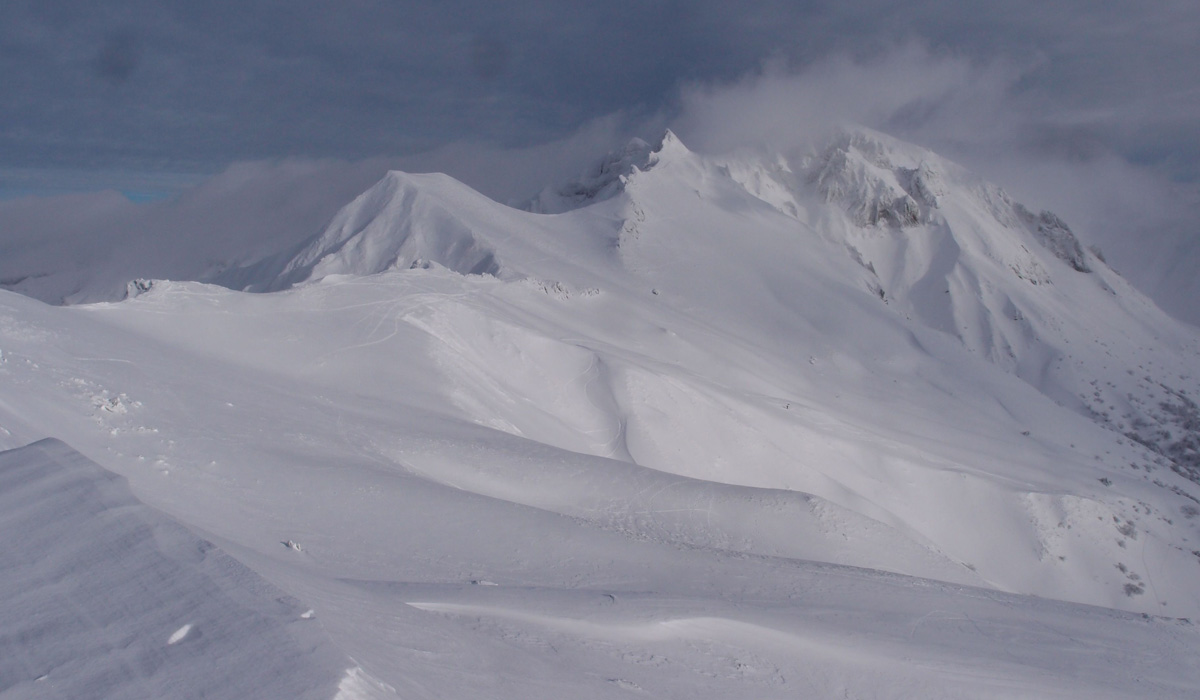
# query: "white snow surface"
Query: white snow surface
97,587
841,423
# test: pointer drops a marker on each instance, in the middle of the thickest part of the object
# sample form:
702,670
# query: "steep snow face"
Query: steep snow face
879,181
960,256
861,174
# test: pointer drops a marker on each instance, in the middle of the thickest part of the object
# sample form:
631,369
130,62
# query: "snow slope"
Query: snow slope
822,424
947,250
105,597
449,560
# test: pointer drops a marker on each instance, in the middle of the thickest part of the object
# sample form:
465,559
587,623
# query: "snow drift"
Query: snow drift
105,597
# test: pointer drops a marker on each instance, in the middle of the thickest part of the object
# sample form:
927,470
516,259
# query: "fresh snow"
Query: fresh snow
847,422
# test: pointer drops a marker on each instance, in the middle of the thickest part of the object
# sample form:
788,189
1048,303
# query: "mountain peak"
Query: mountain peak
607,177
404,220
670,145
878,179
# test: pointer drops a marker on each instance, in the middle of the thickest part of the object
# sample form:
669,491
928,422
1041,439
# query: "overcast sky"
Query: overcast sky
186,86
1088,107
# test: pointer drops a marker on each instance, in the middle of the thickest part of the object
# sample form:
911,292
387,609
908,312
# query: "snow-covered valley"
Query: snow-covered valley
850,422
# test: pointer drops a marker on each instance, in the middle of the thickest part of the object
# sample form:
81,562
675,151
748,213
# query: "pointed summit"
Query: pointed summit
403,221
669,146
607,177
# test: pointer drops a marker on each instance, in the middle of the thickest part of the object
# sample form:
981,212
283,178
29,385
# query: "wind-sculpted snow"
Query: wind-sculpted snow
705,432
106,598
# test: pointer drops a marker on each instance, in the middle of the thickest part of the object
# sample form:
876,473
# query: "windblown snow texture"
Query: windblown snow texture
105,597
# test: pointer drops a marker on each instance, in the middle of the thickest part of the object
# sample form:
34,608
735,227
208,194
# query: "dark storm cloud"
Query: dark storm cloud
118,57
489,57
214,81
204,83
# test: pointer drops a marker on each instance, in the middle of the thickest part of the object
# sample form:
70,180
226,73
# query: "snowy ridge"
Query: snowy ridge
402,221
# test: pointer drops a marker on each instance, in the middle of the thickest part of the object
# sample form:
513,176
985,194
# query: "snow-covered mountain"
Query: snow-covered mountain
628,440
935,243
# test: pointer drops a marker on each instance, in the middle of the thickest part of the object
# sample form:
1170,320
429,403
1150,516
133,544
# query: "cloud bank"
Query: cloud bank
186,86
